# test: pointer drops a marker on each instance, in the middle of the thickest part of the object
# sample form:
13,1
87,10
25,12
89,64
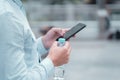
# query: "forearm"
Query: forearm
41,71
16,70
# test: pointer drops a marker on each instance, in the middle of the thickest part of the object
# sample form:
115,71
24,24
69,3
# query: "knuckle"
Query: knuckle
67,54
66,61
66,49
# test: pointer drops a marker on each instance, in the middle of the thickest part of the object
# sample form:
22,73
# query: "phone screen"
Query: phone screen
74,30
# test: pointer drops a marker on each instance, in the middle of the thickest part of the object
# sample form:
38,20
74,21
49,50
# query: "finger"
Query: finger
57,31
55,43
61,31
67,59
65,30
69,51
67,45
74,36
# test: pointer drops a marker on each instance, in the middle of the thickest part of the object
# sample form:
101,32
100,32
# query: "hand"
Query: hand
59,55
52,35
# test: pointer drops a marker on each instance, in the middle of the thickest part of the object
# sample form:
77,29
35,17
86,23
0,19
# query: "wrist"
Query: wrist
45,42
53,61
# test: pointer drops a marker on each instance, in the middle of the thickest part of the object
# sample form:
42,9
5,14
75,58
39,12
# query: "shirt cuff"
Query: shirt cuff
40,46
48,65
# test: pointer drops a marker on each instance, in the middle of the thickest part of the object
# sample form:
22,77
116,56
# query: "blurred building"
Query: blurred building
55,12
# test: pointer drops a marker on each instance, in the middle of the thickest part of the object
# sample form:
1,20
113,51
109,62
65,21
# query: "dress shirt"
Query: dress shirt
19,49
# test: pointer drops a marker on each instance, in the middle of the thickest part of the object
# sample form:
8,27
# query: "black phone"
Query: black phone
74,30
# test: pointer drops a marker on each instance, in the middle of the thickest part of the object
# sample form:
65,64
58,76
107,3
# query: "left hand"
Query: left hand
52,35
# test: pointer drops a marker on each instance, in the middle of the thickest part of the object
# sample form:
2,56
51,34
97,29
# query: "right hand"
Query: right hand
59,55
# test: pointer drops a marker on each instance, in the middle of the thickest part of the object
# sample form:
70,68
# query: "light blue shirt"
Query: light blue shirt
19,49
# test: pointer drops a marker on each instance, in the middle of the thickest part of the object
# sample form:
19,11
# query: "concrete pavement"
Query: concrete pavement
94,60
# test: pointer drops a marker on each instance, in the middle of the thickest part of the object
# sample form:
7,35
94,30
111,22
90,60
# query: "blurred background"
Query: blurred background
96,49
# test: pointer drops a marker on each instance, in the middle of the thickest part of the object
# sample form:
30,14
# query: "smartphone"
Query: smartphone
74,30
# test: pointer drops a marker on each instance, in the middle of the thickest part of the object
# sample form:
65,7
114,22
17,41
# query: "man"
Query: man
20,51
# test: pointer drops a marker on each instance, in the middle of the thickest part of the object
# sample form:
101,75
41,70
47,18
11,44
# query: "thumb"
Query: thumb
67,45
58,31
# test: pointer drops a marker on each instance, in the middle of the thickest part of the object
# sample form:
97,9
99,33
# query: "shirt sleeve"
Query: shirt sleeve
40,47
12,49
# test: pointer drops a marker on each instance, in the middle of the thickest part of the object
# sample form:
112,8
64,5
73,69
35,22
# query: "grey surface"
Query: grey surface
94,60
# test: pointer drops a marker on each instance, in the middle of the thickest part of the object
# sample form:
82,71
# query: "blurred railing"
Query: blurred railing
39,12
68,15
60,12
